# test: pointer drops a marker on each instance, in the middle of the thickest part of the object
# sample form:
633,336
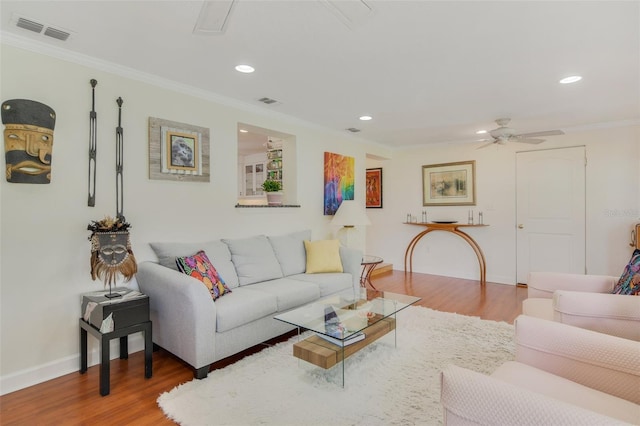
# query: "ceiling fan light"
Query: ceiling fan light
366,118
481,132
571,79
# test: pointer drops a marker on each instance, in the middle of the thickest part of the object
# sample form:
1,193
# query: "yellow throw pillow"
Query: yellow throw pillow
323,256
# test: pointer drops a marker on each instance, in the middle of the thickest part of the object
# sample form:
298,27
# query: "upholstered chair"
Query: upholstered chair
561,375
584,301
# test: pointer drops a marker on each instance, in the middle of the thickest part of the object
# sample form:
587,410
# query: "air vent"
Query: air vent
29,25
58,34
213,17
37,27
353,130
267,101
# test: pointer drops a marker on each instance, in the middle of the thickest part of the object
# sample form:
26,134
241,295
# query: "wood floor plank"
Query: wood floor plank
74,399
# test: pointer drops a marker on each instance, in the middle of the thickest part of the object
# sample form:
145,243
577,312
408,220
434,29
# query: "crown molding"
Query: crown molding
567,130
603,125
120,70
25,43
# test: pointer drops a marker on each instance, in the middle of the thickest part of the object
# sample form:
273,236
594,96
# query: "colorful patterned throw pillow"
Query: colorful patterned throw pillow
629,282
199,266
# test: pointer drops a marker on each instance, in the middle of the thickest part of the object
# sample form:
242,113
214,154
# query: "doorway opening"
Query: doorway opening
265,154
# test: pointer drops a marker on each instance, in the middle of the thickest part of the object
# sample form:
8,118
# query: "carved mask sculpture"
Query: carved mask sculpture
111,252
28,140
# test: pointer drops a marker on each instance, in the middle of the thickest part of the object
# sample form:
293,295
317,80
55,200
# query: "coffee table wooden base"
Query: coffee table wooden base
324,354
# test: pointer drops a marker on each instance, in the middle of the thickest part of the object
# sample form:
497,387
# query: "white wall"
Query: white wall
613,205
44,251
44,248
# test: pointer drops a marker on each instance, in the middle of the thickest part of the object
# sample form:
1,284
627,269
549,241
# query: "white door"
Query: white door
550,211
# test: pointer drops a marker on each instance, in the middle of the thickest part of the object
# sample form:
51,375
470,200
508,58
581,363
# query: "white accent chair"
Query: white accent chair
561,375
584,301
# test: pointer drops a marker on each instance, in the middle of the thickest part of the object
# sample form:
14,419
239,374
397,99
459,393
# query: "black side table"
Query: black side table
129,315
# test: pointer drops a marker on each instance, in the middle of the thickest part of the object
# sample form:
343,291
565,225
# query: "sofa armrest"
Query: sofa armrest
352,264
471,398
544,284
599,361
614,314
183,314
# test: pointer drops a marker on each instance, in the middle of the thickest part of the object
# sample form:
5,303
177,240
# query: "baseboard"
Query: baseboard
54,369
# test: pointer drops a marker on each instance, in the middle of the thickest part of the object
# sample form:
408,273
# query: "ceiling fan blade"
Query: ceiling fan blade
533,141
545,133
486,145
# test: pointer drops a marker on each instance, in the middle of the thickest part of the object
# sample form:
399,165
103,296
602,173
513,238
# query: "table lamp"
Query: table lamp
349,215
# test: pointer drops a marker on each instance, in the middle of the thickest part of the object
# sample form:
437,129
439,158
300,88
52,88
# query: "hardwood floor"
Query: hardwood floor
74,399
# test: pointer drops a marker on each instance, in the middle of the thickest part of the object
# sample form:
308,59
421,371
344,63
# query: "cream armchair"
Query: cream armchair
561,375
583,301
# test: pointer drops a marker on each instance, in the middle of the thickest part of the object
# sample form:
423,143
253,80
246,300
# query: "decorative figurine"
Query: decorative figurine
111,252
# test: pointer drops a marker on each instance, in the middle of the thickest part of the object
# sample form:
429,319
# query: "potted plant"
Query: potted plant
272,188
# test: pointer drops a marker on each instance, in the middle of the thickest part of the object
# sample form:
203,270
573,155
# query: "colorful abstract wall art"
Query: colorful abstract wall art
338,181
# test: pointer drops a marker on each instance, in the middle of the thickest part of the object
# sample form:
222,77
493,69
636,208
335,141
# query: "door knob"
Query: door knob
521,226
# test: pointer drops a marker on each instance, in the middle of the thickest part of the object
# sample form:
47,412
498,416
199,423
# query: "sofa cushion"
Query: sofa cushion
289,293
538,307
199,267
217,252
253,259
323,256
559,388
328,283
243,306
629,282
290,252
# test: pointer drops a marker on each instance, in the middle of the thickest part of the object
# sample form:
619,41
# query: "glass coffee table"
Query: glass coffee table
344,323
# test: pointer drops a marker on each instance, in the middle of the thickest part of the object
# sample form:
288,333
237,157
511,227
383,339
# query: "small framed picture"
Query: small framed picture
449,184
374,188
178,151
182,150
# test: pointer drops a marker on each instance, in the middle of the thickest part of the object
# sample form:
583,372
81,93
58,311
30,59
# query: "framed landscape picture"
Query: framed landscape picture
449,184
374,188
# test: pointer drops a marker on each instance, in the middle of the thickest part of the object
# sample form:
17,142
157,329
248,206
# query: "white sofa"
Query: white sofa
266,276
561,375
583,301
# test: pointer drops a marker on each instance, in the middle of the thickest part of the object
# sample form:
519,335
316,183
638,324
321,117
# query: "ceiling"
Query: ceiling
426,71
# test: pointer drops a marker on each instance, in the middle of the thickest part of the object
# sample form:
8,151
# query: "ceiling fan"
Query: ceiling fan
504,134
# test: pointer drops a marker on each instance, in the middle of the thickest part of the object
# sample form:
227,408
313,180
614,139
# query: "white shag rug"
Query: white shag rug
384,385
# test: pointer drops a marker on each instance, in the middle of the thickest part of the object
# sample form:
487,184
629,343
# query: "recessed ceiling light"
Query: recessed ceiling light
244,131
245,68
571,79
481,132
366,118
